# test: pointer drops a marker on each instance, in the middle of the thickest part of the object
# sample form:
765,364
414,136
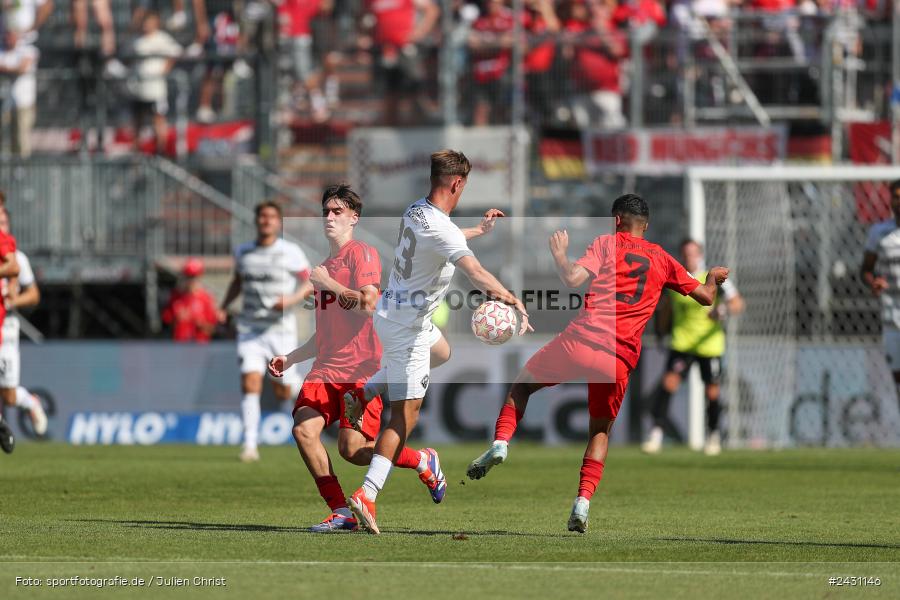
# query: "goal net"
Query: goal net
804,363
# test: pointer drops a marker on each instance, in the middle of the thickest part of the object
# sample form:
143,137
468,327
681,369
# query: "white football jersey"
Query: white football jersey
428,246
10,331
884,241
267,273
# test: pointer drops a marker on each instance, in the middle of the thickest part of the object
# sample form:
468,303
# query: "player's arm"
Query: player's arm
705,293
279,364
867,272
231,294
362,300
571,274
304,290
30,296
490,285
9,266
487,224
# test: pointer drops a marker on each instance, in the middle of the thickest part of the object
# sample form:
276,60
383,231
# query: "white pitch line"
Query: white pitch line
588,568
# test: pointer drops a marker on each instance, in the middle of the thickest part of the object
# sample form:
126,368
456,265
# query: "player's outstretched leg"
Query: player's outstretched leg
713,445
25,400
251,388
390,444
660,411
7,439
510,414
356,449
591,472
432,475
308,426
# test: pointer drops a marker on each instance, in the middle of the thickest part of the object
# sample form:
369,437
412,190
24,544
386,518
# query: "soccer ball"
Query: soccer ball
494,323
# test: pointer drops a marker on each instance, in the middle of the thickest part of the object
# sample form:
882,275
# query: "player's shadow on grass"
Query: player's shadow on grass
194,526
778,543
490,532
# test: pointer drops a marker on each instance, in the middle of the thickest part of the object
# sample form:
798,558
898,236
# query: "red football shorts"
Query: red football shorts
567,358
327,399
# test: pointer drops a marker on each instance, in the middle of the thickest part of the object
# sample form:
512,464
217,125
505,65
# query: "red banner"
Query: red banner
671,150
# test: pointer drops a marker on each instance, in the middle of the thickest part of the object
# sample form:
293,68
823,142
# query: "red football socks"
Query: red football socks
506,423
408,459
331,492
591,472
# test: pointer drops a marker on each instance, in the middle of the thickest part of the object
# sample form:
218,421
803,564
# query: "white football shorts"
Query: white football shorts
255,349
406,356
10,363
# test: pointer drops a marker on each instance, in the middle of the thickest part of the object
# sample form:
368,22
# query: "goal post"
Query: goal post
803,364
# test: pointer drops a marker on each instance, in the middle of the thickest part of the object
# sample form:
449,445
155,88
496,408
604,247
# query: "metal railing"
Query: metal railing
143,208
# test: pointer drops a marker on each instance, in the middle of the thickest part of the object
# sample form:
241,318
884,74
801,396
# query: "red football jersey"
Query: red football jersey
347,348
629,276
7,246
192,315
395,21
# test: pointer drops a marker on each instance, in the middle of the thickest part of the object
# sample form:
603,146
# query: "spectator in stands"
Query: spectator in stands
637,13
694,18
490,44
26,17
295,28
398,30
596,48
157,52
18,60
779,20
541,25
191,311
225,41
178,20
103,14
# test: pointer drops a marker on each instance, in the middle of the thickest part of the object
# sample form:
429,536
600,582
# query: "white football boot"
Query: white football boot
495,455
578,520
653,445
713,445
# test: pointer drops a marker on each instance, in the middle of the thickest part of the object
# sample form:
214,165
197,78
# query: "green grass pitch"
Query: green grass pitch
678,525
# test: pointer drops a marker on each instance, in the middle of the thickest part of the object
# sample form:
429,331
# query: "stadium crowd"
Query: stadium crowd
571,50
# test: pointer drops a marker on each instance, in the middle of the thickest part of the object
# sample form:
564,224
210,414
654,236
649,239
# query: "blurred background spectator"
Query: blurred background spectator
596,49
26,17
18,62
191,310
490,50
156,52
103,14
398,27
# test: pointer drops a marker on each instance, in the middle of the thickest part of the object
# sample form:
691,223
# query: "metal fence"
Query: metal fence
141,208
743,66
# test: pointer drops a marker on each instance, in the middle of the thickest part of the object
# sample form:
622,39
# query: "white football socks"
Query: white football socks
377,475
250,414
376,385
24,399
